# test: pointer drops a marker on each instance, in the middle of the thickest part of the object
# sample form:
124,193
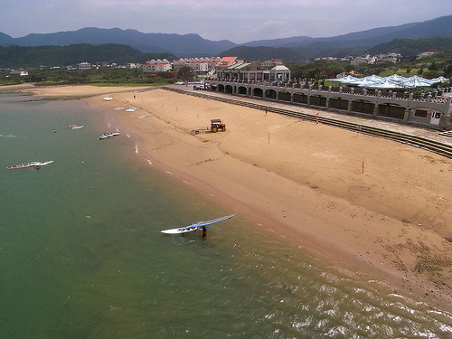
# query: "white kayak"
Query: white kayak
108,135
30,164
194,227
39,163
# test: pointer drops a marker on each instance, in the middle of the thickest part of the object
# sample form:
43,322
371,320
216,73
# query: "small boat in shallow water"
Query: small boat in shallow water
107,135
30,164
18,166
39,163
75,126
196,225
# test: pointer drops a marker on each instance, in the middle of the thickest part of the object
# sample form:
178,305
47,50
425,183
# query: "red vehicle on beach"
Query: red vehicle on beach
216,125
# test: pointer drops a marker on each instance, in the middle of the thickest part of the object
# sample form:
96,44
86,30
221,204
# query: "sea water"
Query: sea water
82,255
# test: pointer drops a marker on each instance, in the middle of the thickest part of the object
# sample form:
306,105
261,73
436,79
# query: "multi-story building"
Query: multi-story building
232,69
156,66
85,65
199,65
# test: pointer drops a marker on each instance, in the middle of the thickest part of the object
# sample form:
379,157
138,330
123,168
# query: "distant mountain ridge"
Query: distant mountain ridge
182,45
190,45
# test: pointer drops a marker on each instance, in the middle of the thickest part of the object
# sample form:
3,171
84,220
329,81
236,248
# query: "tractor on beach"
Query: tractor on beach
216,125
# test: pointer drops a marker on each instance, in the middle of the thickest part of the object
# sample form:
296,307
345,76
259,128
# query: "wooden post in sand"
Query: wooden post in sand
268,138
362,167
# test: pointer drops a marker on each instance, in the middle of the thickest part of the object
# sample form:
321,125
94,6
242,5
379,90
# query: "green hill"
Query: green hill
23,57
410,47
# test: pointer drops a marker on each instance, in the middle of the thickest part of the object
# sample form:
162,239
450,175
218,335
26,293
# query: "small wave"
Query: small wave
8,136
149,161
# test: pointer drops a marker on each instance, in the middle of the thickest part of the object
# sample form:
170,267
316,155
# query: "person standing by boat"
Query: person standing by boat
204,230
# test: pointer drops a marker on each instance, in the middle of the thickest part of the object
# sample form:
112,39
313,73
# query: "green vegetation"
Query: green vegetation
429,67
99,77
31,58
61,56
412,47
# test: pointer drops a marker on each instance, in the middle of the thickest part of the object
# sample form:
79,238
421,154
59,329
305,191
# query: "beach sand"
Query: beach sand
372,207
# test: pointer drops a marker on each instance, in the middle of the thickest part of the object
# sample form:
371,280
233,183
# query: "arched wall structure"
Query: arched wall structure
428,110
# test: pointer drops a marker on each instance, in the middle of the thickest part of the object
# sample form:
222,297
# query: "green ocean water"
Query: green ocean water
82,256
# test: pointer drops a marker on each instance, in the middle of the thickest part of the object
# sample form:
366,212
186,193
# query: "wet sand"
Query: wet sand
370,206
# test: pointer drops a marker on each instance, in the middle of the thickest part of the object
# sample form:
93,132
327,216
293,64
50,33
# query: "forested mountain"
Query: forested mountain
360,42
409,47
182,45
190,45
6,40
406,47
22,57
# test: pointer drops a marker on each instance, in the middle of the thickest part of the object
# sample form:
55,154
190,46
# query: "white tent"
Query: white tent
347,80
386,84
368,83
395,77
416,81
373,78
392,81
439,79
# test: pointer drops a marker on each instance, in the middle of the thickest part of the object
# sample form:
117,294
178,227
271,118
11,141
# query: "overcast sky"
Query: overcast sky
236,20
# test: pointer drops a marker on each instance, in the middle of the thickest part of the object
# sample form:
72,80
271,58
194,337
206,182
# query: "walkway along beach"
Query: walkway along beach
374,207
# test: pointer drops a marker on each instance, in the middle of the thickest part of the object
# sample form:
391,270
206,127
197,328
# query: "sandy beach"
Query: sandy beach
370,206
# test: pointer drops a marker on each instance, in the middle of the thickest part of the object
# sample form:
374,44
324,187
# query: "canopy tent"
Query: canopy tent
347,80
386,84
392,81
373,78
439,79
416,81
395,77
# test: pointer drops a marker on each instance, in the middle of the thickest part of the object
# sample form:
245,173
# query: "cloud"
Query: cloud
236,20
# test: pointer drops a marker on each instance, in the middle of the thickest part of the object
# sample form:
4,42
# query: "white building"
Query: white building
85,65
429,52
156,66
199,65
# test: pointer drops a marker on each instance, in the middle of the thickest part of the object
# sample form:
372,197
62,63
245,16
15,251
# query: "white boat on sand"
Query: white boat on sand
108,135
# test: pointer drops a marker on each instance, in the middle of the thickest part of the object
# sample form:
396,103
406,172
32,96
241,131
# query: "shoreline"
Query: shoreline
304,182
